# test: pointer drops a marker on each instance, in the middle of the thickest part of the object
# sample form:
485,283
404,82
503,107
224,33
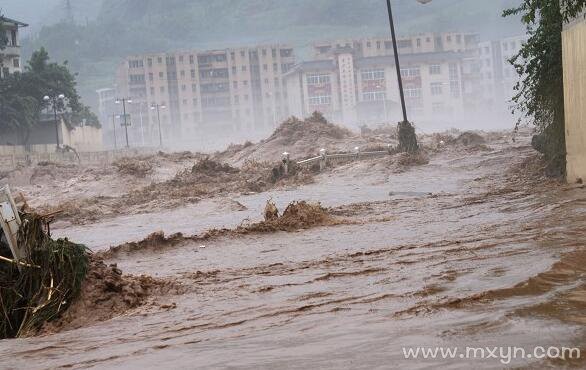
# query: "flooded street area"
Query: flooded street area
473,249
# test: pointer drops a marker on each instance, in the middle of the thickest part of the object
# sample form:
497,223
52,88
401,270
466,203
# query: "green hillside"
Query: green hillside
96,42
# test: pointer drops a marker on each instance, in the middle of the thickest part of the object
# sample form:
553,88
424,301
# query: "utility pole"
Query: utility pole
126,124
114,126
157,107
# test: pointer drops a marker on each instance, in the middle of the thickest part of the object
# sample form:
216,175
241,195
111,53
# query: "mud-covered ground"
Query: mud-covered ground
468,246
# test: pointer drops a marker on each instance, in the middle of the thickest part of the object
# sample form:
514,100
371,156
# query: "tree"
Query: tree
540,92
17,111
21,96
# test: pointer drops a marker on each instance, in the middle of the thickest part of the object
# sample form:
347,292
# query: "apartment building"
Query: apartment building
497,76
463,43
215,91
353,89
412,44
10,60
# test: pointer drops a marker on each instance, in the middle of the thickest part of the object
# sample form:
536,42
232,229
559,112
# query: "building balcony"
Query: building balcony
11,51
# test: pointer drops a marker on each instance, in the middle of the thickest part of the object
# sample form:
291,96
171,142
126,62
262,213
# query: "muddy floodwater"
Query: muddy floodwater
469,250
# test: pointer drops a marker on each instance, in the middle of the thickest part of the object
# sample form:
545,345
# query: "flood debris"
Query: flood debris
107,293
470,138
271,211
302,139
297,215
40,287
135,166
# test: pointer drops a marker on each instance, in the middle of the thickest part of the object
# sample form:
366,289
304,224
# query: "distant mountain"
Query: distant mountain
104,31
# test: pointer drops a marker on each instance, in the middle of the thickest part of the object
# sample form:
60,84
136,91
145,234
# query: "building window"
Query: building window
418,43
318,79
374,95
245,83
150,62
320,100
373,74
413,93
378,45
193,73
404,44
235,84
244,68
182,73
455,89
194,101
162,89
191,59
435,69
410,72
194,88
16,63
183,87
161,75
436,88
265,67
368,44
453,71
152,91
150,76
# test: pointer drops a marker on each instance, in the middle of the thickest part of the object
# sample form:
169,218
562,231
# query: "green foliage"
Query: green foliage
540,93
21,95
45,286
17,110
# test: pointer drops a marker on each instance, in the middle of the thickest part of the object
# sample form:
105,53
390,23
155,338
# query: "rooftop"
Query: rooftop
13,21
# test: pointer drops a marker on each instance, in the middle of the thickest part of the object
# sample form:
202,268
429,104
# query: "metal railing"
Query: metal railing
324,158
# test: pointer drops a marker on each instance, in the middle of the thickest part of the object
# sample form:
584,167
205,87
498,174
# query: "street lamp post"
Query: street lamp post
407,137
157,107
55,101
124,101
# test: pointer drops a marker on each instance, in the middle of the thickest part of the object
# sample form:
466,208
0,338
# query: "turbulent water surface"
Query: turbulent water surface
459,252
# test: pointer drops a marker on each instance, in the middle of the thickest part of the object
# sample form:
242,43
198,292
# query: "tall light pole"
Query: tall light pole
407,137
124,101
157,107
114,116
56,102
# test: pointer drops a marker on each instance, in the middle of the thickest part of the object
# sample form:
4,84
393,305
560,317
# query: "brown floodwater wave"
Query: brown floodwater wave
459,252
